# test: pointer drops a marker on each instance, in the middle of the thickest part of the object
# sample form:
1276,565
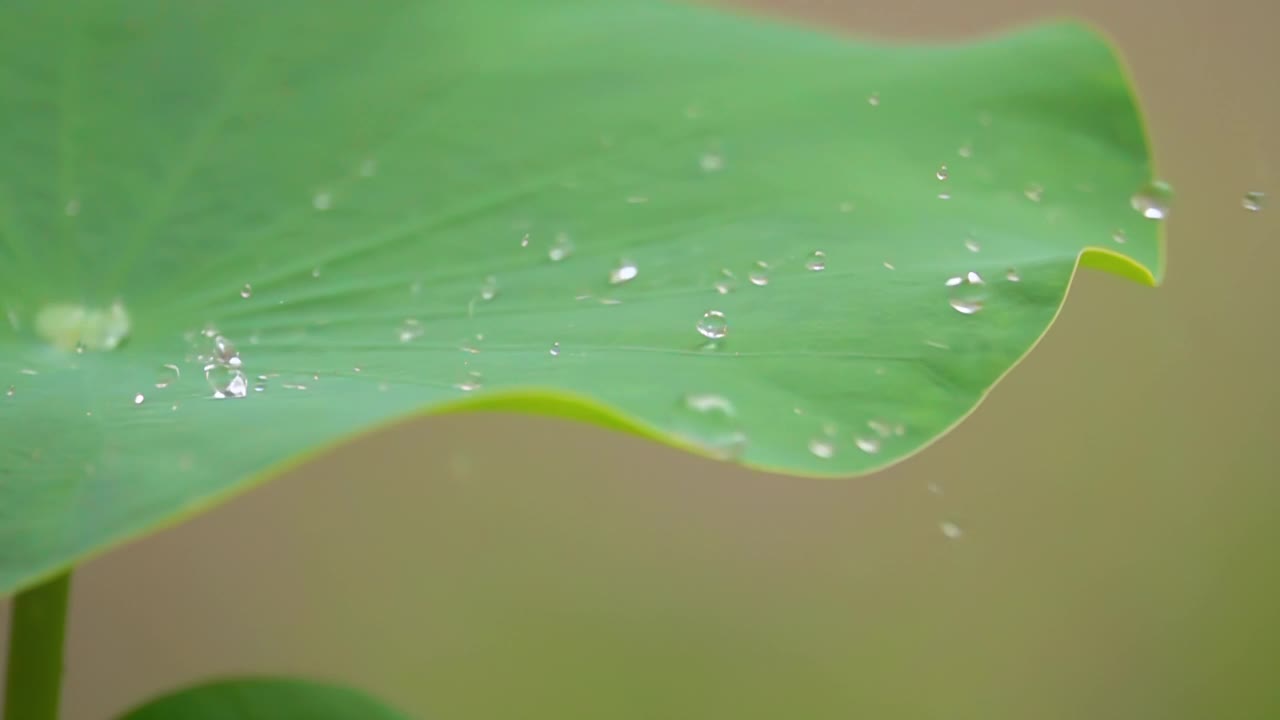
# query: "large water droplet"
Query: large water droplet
1253,201
817,261
966,292
226,382
1153,200
822,447
624,272
713,324
561,247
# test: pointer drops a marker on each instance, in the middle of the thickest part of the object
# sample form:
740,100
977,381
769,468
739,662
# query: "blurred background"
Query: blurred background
1097,541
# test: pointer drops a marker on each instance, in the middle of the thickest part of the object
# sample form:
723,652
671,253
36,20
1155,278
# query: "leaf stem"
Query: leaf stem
39,623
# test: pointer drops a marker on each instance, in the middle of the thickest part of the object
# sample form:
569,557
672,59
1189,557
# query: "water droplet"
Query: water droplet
888,265
227,382
409,330
489,288
315,272
561,247
246,292
817,261
1034,193
711,162
868,445
28,371
1012,275
524,241
965,151
972,245
951,530
322,201
722,287
758,278
139,399
168,375
10,391
368,168
470,382
966,296
1153,200
225,353
625,272
555,349
709,403
874,99
713,325
293,386
822,447
1119,236
943,173
1253,201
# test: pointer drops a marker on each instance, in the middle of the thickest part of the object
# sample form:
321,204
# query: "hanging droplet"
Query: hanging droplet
951,530
139,399
1153,200
489,288
713,325
624,272
817,261
561,247
822,447
226,382
555,349
246,292
711,162
943,173
1253,201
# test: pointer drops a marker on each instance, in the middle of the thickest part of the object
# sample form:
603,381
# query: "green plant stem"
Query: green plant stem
39,624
